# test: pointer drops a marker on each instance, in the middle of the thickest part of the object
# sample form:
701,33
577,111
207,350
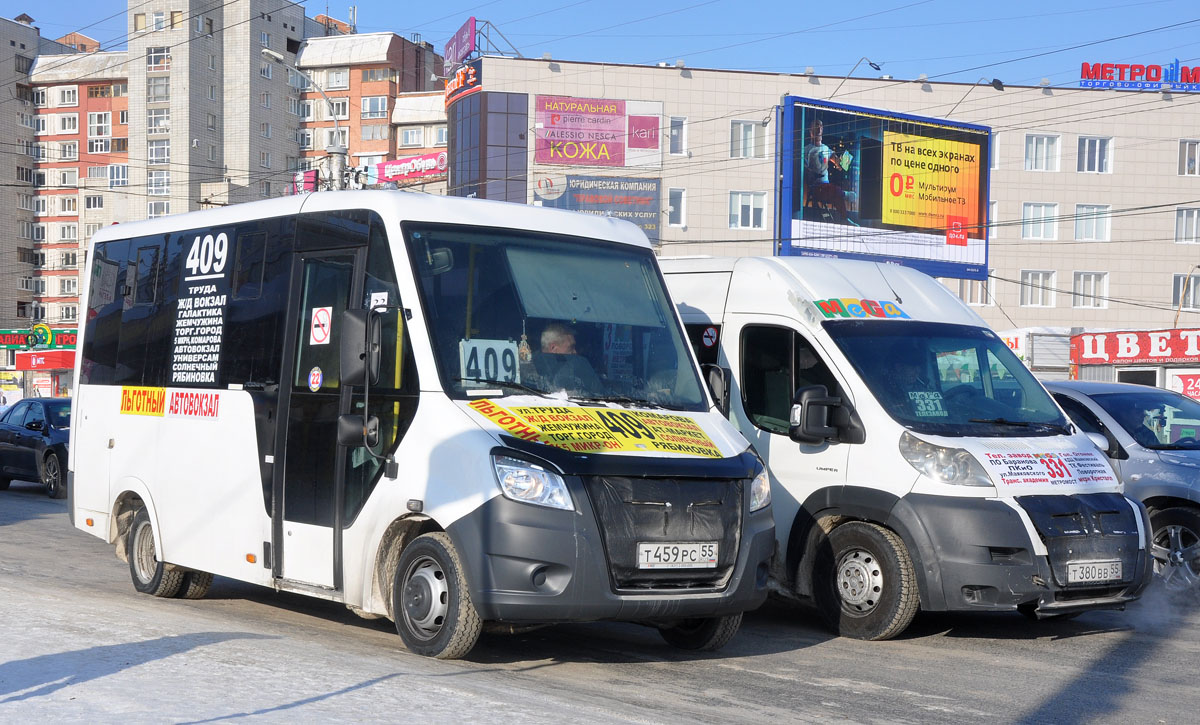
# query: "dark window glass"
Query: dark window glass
1080,415
776,362
251,260
102,331
146,277
35,414
252,351
16,414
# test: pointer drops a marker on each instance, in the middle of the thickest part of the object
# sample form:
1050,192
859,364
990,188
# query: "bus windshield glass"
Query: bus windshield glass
951,380
542,314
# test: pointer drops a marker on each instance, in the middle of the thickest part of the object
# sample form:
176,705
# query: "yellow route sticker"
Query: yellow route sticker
600,430
142,401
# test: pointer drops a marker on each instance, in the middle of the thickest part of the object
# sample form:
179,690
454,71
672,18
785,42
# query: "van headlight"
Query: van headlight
955,466
530,483
760,491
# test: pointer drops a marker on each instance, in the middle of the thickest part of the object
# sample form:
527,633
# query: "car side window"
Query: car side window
16,414
35,415
1080,415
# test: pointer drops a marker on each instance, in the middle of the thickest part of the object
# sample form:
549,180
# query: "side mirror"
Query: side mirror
809,419
1099,441
35,425
353,430
359,353
718,384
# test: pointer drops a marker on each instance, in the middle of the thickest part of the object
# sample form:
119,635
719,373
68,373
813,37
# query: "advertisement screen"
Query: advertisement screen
869,184
600,132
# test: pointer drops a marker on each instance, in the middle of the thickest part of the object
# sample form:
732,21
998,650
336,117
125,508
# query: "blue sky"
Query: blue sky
953,40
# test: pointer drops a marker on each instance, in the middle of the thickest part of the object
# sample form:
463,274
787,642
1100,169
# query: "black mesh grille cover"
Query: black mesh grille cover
637,510
1085,527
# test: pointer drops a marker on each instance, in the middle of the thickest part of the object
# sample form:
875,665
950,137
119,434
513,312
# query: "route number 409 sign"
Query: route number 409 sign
482,360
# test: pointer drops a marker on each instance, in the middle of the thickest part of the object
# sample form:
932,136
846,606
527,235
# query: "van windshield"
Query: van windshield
950,380
530,313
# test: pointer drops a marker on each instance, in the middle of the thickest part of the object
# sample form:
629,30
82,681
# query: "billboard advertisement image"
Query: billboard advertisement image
599,132
870,184
633,199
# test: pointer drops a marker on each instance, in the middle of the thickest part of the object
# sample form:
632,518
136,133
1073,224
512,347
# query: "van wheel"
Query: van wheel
704,635
195,585
864,583
150,576
431,602
52,477
1175,546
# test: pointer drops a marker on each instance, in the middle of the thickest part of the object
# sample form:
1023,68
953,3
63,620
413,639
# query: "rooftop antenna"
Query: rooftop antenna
353,19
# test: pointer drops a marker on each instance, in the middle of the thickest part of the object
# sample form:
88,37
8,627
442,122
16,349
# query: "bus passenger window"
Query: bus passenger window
250,262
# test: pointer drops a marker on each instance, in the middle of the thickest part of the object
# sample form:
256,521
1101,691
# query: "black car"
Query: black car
33,443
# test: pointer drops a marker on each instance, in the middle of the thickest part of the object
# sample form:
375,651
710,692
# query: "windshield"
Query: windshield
59,414
520,312
951,380
1157,418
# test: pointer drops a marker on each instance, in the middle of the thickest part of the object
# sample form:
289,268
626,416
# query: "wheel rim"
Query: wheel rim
859,581
426,598
1176,553
144,556
51,474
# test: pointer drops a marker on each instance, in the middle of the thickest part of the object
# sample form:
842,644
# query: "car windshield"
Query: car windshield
526,313
1156,418
951,380
59,414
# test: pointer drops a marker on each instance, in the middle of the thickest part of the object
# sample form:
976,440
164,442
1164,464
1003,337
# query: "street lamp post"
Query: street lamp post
337,152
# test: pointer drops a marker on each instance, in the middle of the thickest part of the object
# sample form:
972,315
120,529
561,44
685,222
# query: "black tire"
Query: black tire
864,583
149,574
195,584
1175,547
52,476
703,635
431,603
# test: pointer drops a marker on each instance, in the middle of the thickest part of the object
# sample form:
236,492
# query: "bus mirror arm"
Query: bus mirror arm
817,417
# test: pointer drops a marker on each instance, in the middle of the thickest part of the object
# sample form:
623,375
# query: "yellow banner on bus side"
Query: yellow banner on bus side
143,401
600,430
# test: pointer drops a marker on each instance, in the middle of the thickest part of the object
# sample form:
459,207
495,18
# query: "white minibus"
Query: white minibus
916,463
448,412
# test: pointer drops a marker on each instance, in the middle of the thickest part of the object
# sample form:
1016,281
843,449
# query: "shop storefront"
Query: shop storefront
1163,358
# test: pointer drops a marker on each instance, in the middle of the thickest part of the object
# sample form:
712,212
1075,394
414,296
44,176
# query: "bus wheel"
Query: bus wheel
195,584
52,477
150,576
864,583
430,600
706,635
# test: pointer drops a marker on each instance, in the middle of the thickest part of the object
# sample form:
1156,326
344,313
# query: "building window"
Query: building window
265,99
68,96
676,211
304,137
1090,290
677,136
1037,288
90,229
212,152
98,145
1041,152
69,313
68,177
441,136
1091,222
1187,226
212,93
993,156
1095,155
68,151
378,74
25,202
71,259
41,205
118,175
412,137
211,121
374,107
1189,165
212,62
159,151
37,312
339,108
158,121
158,89
993,223
120,90
264,159
264,39
104,91
1038,221
100,124
337,79
39,124
1184,289
376,132
746,209
23,63
25,174
68,232
747,139
158,183
158,208
25,283
305,110
68,123
264,70
264,130
340,138
39,235
265,188
39,97
158,58
68,205
93,202
97,172
975,292
120,145
123,118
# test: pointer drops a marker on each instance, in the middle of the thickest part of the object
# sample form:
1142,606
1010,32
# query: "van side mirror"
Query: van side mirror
353,430
718,384
817,417
359,353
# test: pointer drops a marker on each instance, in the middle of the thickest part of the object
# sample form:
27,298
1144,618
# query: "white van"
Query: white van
443,411
915,462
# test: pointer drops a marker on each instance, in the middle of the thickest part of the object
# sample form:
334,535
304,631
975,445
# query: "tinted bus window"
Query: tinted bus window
103,328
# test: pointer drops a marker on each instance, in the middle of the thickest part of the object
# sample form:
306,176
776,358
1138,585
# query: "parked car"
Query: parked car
1152,437
33,443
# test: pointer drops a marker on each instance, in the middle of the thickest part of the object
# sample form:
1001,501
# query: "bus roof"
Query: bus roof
398,206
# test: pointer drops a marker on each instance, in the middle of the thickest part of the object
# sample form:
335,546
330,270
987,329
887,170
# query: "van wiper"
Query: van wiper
616,399
1024,424
503,383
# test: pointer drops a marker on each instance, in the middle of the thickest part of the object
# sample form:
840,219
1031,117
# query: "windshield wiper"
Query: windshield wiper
504,383
616,399
1023,424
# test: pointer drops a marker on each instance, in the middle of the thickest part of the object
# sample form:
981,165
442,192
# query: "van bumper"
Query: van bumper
979,554
542,565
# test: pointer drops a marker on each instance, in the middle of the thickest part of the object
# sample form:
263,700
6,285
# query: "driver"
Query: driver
560,365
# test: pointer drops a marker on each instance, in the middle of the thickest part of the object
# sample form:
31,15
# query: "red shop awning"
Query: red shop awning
46,360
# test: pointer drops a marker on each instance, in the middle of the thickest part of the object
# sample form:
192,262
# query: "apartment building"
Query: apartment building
421,161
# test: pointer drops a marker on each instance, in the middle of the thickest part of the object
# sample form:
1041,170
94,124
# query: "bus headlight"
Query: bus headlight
530,483
944,465
760,491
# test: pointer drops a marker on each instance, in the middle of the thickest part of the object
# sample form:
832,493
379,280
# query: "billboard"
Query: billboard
460,45
633,199
868,184
413,167
600,132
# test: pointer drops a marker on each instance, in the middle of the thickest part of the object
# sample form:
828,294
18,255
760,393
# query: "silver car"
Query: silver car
1152,439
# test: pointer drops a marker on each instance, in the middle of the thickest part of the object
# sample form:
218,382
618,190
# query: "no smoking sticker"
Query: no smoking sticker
710,336
321,326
